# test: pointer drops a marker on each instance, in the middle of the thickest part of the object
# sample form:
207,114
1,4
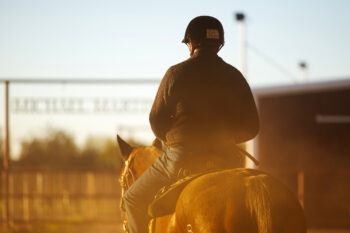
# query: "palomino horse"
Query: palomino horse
226,201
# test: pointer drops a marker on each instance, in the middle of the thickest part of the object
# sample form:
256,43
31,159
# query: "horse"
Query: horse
237,200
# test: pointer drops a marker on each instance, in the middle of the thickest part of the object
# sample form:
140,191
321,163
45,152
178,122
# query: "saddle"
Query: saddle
165,200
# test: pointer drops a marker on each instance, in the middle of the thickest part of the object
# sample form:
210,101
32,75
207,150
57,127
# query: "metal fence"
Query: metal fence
61,196
28,196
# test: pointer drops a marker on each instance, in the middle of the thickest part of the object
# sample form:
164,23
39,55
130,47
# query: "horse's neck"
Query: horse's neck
152,154
144,158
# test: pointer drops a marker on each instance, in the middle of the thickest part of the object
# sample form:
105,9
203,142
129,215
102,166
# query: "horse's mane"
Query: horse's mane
144,157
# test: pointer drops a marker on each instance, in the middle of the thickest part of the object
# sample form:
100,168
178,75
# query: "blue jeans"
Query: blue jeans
163,172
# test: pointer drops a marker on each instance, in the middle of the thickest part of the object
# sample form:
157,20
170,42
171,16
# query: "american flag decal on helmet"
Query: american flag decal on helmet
213,34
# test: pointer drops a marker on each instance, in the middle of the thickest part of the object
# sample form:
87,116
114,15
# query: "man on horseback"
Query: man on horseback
203,108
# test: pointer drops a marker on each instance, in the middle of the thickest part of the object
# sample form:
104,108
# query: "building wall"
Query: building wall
308,133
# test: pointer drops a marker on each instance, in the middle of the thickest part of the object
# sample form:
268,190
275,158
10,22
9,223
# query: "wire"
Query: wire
273,63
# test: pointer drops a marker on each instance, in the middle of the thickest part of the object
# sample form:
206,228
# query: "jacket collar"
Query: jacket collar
203,52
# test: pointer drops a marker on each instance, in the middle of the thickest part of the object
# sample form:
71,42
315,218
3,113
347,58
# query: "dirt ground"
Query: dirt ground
100,228
59,228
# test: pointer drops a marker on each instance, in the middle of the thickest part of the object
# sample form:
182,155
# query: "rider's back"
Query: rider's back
207,100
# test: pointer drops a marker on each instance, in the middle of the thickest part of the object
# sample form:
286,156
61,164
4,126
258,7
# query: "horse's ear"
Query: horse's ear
157,143
124,147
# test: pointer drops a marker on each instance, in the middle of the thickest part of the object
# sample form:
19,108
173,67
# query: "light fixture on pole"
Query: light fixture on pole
304,68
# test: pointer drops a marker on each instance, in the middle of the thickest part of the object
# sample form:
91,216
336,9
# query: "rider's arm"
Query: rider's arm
162,109
249,121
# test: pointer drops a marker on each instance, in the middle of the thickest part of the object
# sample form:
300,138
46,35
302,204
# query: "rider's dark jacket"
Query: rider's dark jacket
203,100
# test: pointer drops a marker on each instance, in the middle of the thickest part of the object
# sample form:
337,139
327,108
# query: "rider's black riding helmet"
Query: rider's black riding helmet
205,30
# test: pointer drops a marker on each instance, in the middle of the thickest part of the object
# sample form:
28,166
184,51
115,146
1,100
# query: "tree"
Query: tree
101,153
58,150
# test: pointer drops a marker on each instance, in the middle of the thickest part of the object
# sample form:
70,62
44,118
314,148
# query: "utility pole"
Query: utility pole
240,18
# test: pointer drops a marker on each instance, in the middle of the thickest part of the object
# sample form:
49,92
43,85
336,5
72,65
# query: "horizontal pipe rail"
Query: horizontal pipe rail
81,81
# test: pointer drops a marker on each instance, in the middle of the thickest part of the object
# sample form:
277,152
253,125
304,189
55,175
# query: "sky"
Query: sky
141,39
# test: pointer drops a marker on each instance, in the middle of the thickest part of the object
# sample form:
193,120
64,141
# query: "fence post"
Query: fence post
301,187
90,177
25,200
6,158
39,193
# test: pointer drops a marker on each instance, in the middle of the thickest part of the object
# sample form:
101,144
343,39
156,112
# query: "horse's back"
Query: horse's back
238,200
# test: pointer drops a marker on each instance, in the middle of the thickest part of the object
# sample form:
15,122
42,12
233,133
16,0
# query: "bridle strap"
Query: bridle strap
125,184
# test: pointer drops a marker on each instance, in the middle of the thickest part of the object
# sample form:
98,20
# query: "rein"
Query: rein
251,157
127,178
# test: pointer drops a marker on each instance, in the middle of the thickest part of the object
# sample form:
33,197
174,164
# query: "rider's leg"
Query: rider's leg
141,193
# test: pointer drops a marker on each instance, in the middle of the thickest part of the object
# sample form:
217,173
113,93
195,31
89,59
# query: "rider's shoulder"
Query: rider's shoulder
186,65
183,64
230,67
180,67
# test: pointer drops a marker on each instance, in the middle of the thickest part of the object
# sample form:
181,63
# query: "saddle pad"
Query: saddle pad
165,200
